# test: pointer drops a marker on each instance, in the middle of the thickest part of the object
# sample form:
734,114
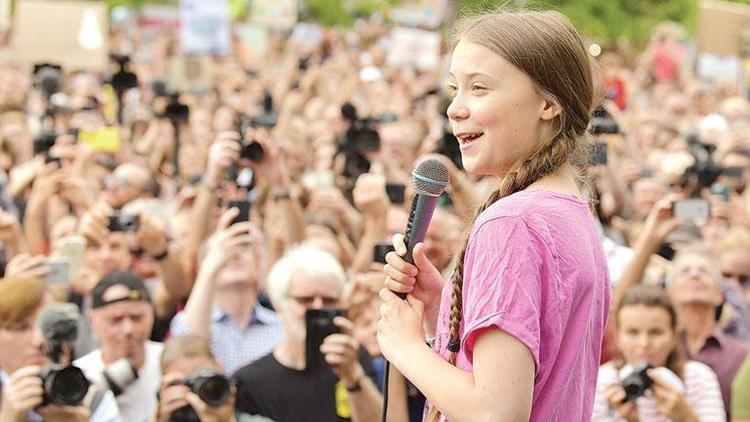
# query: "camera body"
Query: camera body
250,148
213,387
124,222
637,382
65,385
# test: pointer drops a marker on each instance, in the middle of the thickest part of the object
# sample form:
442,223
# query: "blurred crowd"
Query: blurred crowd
223,249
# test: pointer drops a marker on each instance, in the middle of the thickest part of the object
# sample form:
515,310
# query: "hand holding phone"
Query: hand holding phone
319,325
243,205
691,209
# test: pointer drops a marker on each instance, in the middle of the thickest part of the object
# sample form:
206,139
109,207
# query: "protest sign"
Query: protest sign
205,27
69,33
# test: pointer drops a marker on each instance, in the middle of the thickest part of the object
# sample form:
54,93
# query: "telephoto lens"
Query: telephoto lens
211,386
637,382
65,385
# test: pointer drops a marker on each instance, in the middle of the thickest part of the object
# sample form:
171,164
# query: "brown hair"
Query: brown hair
185,346
545,46
19,298
651,297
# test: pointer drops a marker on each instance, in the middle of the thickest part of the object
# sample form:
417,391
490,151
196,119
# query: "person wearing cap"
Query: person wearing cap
127,363
22,360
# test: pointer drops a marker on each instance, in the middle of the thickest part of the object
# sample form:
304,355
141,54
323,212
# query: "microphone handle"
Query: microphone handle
422,208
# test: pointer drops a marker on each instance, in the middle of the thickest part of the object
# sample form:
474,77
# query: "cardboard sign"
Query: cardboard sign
414,47
156,16
70,33
104,139
422,13
723,28
205,27
254,37
192,73
279,14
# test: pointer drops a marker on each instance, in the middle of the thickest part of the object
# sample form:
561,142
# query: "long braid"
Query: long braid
543,162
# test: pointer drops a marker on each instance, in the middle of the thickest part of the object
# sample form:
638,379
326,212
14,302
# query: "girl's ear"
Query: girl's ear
550,108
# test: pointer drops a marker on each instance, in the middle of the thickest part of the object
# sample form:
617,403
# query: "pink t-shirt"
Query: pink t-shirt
535,269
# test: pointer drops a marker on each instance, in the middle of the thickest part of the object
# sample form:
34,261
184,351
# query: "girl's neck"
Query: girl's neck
563,180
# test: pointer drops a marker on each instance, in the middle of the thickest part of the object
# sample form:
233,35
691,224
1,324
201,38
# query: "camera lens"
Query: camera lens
214,390
66,386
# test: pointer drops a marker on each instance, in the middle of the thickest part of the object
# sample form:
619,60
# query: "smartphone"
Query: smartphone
396,192
58,270
599,153
380,250
73,248
104,139
244,206
319,325
691,209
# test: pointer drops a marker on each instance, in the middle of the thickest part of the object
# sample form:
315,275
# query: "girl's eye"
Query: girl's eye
477,87
451,89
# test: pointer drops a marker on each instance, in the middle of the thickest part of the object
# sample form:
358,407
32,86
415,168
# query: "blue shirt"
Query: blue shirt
235,346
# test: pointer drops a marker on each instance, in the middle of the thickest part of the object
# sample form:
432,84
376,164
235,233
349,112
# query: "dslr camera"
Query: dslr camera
212,387
251,149
602,122
65,385
637,382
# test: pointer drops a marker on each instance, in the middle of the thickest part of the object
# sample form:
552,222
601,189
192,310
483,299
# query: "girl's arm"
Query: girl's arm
499,389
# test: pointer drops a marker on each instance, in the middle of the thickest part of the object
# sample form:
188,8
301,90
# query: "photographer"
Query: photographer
127,363
646,325
22,357
184,357
281,385
223,306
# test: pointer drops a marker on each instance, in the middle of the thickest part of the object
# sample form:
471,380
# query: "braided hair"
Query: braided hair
546,47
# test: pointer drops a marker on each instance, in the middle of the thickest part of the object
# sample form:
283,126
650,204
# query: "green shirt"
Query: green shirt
741,392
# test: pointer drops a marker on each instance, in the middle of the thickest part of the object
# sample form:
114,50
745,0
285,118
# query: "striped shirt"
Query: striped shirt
702,394
235,346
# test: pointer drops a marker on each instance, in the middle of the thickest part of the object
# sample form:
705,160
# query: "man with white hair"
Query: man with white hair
280,385
696,293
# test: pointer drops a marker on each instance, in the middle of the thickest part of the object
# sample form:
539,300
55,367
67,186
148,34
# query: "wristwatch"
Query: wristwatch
357,386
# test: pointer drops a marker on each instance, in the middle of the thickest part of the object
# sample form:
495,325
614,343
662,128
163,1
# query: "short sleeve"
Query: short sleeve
502,282
179,326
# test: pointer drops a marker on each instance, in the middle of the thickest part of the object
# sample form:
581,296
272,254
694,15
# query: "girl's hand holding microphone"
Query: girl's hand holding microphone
405,322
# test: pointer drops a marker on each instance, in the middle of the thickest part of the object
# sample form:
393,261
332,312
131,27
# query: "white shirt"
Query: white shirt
138,400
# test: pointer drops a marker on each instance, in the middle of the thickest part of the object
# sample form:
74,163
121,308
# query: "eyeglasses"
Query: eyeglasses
741,278
308,301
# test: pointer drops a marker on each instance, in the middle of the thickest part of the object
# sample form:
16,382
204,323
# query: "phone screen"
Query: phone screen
691,209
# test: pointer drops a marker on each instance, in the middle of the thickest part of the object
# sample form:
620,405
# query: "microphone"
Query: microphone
429,180
59,325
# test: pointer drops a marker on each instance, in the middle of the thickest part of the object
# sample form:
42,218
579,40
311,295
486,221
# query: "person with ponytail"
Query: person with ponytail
516,332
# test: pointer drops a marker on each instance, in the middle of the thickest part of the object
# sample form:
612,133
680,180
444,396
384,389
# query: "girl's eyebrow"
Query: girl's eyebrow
471,75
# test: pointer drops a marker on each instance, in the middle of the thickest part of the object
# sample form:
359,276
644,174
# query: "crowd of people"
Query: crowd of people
225,260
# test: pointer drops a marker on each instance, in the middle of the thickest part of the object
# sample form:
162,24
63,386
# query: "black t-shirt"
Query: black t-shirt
270,389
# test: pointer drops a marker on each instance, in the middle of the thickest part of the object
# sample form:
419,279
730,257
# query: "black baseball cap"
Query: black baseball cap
136,289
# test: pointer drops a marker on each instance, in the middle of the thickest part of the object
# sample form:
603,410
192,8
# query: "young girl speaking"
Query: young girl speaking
518,328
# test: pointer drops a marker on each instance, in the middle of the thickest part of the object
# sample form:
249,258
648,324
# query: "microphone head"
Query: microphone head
59,323
430,177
